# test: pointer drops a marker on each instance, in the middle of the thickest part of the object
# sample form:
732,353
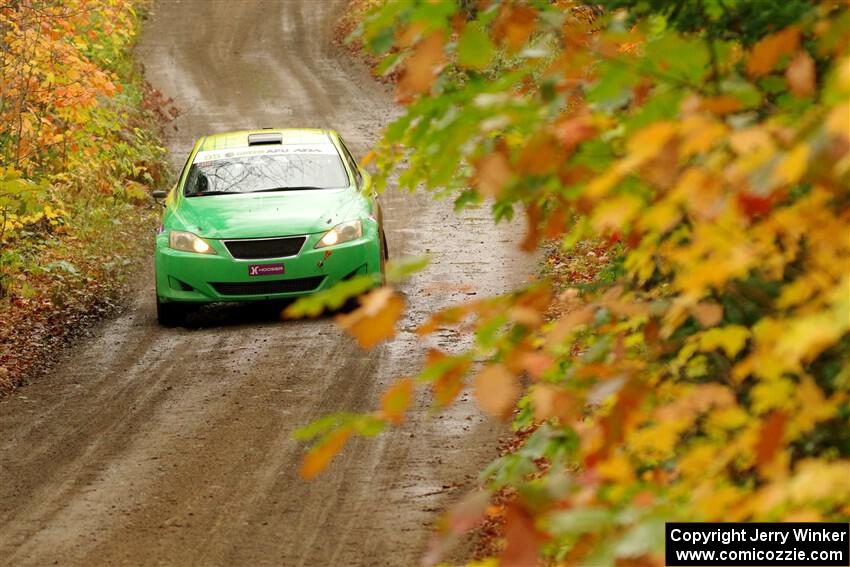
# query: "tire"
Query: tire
385,254
384,248
170,314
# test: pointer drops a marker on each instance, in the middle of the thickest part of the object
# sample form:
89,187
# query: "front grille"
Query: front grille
264,248
266,287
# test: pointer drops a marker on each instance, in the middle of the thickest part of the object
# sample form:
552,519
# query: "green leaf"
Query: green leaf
474,49
646,537
402,268
332,298
62,265
324,425
580,520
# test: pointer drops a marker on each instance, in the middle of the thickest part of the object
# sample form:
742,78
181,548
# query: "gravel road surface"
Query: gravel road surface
151,446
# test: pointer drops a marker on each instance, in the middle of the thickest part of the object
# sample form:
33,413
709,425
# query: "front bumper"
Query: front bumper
205,278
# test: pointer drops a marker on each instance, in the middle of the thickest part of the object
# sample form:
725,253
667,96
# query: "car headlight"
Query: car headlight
188,242
344,232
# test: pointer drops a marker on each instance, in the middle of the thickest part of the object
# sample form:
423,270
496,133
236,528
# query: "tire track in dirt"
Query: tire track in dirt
150,446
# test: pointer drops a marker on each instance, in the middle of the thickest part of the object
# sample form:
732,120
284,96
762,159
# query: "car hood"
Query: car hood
269,214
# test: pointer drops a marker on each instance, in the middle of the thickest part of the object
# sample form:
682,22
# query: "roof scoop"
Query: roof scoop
265,139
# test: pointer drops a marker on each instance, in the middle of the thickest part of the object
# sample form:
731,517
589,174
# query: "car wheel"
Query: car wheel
385,254
384,248
170,314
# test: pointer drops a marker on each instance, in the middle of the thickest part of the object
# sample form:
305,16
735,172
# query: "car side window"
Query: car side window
352,163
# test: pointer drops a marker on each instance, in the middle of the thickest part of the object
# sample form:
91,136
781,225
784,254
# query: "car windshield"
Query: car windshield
277,170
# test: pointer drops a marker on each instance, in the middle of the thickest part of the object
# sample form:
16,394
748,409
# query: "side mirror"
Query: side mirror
159,194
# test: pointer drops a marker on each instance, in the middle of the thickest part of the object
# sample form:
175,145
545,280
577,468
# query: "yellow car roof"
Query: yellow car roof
239,138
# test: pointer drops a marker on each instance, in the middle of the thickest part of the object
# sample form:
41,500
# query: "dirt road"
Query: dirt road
147,446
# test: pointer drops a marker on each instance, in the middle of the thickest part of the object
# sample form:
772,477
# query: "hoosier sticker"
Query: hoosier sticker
265,269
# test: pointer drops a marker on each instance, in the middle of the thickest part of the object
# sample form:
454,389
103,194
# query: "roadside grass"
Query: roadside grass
63,282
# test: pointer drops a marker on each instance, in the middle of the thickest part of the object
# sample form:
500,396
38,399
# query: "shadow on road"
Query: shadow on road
248,313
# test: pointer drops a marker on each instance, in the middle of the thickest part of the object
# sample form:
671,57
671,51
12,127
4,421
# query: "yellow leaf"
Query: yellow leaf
396,400
616,213
698,461
602,184
773,394
648,142
793,166
616,468
658,440
816,480
375,319
496,390
805,338
751,140
838,122
730,338
699,134
812,406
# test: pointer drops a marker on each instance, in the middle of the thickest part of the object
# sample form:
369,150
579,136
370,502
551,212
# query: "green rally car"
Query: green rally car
265,214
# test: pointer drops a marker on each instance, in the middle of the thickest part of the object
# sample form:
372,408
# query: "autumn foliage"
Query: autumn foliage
704,375
64,121
79,150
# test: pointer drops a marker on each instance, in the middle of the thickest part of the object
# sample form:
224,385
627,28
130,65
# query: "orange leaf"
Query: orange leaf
396,400
723,104
449,384
542,155
375,319
551,401
491,173
556,224
514,25
321,453
536,363
370,155
532,215
449,316
574,131
707,313
496,390
469,512
421,68
564,326
770,438
766,53
522,539
800,75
